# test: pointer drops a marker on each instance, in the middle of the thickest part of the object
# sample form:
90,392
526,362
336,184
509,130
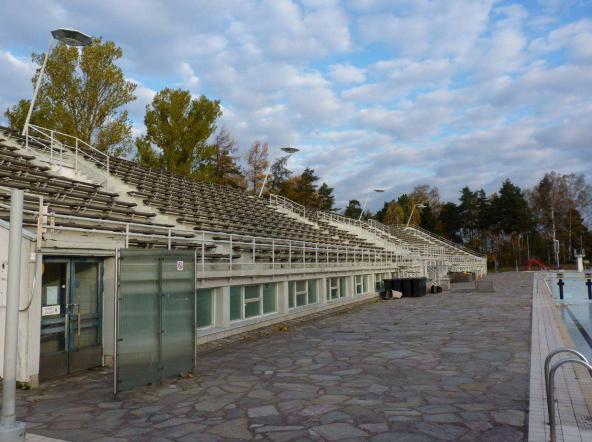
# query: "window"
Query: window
359,284
379,283
302,293
269,298
236,302
342,286
332,288
204,308
250,301
312,291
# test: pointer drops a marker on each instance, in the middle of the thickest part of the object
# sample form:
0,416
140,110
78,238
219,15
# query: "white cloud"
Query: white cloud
385,93
346,73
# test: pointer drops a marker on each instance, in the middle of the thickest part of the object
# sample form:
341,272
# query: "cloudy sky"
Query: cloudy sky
376,93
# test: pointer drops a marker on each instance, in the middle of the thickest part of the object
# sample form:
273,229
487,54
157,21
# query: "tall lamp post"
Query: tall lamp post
419,206
12,430
366,201
71,37
289,151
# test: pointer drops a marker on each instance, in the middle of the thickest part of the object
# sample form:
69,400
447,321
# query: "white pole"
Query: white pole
37,85
10,429
265,179
409,220
269,171
364,206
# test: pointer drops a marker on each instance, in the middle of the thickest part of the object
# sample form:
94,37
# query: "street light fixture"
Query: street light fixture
366,201
71,37
419,206
289,151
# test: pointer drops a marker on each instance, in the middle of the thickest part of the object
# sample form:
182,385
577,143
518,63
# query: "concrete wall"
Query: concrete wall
29,306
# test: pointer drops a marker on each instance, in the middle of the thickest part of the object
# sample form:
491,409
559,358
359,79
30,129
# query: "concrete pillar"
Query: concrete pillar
322,287
221,306
283,294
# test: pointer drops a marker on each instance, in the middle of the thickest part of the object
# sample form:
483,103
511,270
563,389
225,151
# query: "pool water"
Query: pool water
578,320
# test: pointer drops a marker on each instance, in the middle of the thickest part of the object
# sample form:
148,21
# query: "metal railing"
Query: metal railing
437,237
288,204
52,144
239,252
549,374
381,230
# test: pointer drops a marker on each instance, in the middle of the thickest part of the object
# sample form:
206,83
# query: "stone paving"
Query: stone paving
452,366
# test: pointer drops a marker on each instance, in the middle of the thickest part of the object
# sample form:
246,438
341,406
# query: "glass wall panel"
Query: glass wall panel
236,303
291,293
312,291
342,286
269,298
204,307
252,309
358,284
251,291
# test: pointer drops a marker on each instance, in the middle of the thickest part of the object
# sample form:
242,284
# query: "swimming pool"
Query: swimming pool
573,292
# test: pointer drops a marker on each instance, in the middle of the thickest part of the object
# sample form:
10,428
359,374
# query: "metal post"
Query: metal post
10,429
169,239
203,251
230,254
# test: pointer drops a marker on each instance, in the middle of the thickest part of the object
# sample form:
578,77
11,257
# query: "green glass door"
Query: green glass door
53,360
84,331
70,316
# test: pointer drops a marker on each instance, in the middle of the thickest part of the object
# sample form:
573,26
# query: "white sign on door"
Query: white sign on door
180,266
49,310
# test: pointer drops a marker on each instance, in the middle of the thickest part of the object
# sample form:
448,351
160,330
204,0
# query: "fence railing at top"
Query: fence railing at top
381,231
288,204
53,144
447,241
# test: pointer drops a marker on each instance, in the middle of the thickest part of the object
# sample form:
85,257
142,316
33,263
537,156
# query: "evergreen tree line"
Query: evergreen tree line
84,93
511,225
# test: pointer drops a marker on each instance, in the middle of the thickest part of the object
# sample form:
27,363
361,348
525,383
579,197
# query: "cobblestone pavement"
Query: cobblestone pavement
441,367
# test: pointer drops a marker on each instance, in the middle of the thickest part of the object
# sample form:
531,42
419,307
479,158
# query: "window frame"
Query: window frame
244,301
358,284
293,293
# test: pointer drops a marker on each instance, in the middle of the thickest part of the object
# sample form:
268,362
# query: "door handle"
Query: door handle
70,306
78,320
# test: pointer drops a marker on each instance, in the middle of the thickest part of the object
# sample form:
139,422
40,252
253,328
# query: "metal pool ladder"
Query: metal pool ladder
550,380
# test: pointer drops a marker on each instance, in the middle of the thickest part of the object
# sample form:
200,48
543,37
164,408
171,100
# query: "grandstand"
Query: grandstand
255,261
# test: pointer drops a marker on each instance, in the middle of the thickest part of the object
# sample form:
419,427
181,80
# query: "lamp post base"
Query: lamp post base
13,433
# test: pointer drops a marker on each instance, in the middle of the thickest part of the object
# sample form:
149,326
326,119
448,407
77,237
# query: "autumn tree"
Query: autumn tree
428,195
82,94
257,162
225,168
177,131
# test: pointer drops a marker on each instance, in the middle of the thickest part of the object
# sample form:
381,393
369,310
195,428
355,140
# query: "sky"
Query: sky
376,93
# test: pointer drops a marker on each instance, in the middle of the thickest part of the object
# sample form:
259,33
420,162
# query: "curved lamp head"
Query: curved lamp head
290,150
71,37
420,206
378,190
